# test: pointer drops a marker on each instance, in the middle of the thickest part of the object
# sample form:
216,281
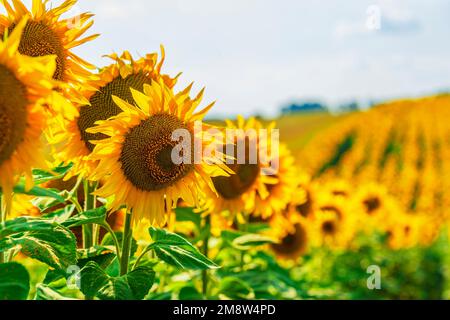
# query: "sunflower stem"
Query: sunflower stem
89,203
108,228
244,227
2,219
126,245
207,224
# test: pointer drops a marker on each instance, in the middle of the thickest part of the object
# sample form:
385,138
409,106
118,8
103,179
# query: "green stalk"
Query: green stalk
244,227
89,204
205,253
114,237
126,245
2,219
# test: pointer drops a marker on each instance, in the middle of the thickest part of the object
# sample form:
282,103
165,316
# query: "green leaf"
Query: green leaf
177,251
235,289
46,204
115,289
229,235
38,192
14,282
44,292
133,286
100,255
189,293
257,227
25,224
42,176
92,279
109,242
40,239
61,215
140,281
188,215
56,248
248,241
95,216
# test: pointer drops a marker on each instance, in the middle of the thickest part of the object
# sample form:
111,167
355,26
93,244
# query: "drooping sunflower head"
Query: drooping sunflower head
46,33
281,188
341,207
338,188
25,84
303,198
137,154
377,208
294,243
244,148
405,233
331,230
115,80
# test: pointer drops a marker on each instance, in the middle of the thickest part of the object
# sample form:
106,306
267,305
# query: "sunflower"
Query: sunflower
292,234
304,197
338,188
377,208
72,139
136,155
279,193
25,84
46,33
237,192
22,205
404,232
331,230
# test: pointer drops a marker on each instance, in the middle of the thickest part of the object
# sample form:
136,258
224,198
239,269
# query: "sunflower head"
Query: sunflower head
282,187
137,155
293,244
25,85
332,230
115,80
46,33
246,150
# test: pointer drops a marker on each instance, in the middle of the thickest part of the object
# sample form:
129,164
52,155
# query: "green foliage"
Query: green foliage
132,286
341,150
176,266
41,176
44,292
14,282
177,251
39,192
94,216
41,239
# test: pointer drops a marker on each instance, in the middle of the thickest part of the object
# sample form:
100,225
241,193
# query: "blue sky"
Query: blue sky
256,55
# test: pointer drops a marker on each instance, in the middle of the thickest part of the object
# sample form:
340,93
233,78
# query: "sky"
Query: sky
255,56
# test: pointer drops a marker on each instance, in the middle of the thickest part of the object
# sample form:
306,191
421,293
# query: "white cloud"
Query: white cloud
257,54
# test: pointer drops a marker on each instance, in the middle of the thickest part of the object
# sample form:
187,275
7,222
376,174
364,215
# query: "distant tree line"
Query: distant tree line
312,106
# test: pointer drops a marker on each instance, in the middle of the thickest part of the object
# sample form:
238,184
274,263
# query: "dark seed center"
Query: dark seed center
372,204
13,113
39,40
147,154
329,227
292,243
103,107
234,186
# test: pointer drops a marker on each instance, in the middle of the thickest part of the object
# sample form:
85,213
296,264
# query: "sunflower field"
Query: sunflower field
93,206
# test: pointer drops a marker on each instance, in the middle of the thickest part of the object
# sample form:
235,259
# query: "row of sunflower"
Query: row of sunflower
88,183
